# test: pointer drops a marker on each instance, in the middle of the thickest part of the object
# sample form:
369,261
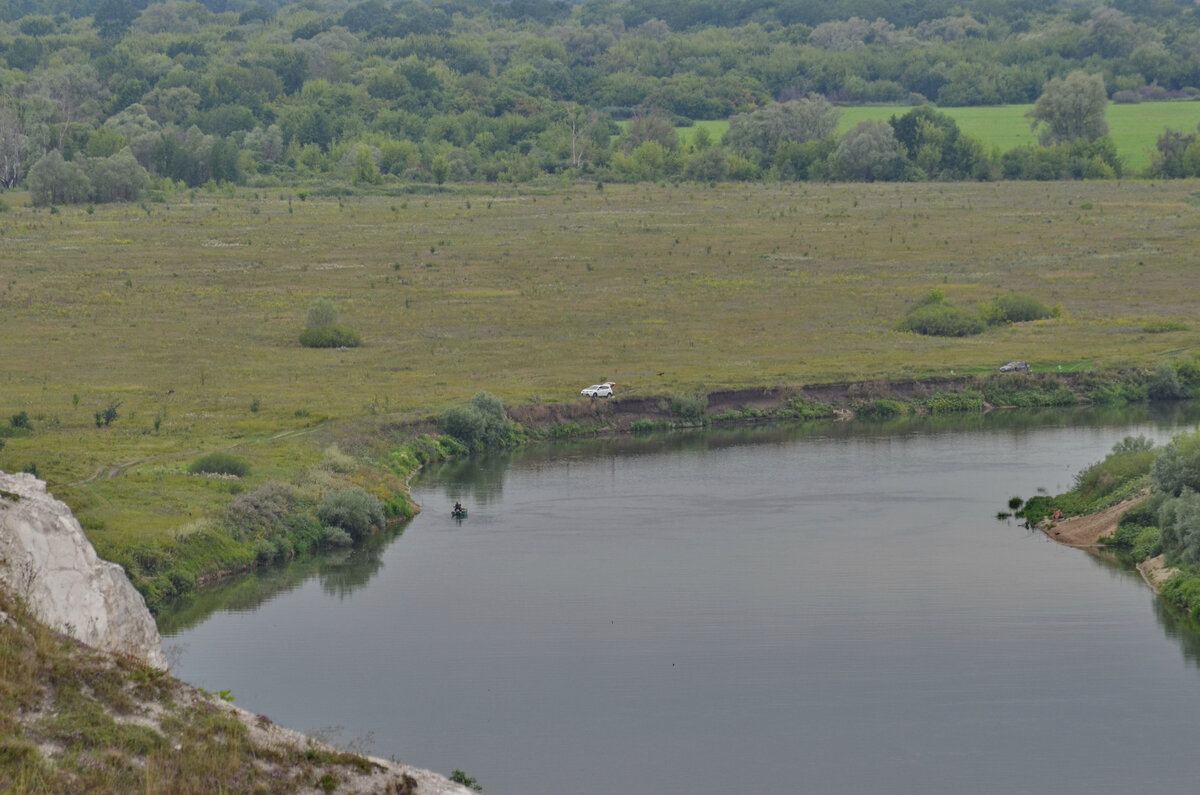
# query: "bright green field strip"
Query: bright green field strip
1003,127
1134,128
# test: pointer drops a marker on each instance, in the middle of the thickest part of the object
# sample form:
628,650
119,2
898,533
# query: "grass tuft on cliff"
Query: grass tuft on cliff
73,719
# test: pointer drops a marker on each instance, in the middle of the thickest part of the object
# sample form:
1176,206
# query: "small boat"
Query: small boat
459,514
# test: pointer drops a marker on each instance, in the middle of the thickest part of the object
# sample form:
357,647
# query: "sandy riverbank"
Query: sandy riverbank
1085,532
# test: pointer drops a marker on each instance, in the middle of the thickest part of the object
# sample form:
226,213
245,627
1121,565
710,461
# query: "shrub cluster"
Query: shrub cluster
804,409
1015,308
329,337
220,464
1032,392
482,424
1130,460
953,402
353,511
1165,384
690,407
321,329
883,409
934,316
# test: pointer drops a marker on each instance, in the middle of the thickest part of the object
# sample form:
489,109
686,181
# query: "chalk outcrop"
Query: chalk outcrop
46,559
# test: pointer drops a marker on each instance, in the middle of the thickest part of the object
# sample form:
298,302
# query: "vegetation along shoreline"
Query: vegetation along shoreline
1139,506
390,454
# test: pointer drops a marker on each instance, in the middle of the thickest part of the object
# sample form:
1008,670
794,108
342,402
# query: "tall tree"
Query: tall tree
14,146
867,153
760,132
1071,108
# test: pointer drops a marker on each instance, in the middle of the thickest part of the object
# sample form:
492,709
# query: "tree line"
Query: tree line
262,93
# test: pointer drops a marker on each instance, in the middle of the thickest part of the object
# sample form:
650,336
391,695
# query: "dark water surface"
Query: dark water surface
778,610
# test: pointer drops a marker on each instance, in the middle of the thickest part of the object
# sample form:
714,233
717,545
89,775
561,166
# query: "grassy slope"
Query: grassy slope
75,720
1134,128
188,311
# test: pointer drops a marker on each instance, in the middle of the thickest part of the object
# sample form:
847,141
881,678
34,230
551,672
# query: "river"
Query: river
826,609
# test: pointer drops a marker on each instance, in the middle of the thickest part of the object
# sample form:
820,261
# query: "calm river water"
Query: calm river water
829,610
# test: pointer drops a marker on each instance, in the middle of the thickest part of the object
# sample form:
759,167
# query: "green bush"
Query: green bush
1014,308
1188,372
942,320
1129,461
321,312
353,511
108,415
1179,522
1184,590
264,513
1148,544
1025,393
481,425
953,402
329,337
1162,326
1178,465
220,464
21,420
1164,384
882,409
804,409
690,407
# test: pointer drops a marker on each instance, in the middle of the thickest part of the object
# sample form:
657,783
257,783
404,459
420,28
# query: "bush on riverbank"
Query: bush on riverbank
1167,522
690,407
953,402
1028,391
353,511
882,409
481,425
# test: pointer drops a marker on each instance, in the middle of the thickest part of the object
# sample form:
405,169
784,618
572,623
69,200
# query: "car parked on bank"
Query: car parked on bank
604,390
1013,367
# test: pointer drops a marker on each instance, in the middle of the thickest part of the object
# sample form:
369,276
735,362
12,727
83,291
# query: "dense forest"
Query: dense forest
104,100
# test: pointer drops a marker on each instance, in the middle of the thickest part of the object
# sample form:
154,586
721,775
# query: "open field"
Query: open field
1134,128
188,312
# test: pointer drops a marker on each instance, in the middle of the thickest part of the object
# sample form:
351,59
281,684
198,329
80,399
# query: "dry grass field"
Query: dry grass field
187,312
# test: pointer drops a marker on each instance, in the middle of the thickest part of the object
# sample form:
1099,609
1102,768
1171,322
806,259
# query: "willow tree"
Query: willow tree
1071,108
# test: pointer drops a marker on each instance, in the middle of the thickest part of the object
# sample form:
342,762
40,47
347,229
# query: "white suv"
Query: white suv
604,390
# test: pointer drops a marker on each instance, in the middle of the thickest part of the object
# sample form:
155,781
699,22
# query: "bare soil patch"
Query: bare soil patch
1086,531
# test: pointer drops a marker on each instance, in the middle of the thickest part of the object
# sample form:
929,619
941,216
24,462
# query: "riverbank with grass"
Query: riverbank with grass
1140,505
149,337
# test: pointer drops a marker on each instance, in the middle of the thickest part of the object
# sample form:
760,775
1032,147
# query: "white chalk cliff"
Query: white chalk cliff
46,559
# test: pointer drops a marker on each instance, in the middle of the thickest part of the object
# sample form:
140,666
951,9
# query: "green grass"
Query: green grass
188,312
76,720
1134,128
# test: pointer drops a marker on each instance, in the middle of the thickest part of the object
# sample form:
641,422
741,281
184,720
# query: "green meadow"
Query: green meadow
1134,128
185,314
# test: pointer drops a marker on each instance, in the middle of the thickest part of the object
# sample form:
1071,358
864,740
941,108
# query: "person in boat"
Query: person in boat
458,507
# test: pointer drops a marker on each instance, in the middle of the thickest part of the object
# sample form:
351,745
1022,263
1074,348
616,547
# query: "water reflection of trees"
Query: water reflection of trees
339,573
1183,627
480,479
1175,621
